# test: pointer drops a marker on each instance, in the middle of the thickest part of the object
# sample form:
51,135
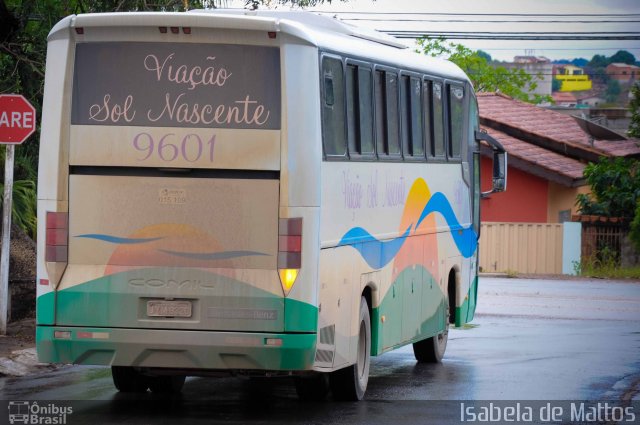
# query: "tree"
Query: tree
581,62
613,91
514,82
634,108
599,61
615,188
634,131
622,56
484,55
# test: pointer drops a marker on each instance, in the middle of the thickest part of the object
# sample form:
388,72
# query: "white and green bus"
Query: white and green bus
258,193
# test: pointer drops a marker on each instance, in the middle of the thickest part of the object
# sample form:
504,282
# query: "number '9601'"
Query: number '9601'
190,148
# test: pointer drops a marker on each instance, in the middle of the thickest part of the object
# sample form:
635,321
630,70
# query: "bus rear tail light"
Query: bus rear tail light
289,251
57,237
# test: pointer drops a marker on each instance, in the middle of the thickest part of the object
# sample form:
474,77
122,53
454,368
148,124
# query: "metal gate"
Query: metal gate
521,247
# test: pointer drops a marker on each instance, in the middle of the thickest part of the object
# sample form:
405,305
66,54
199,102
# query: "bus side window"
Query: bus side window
366,111
456,120
411,111
360,111
381,123
333,116
353,129
438,118
393,127
405,115
416,117
428,119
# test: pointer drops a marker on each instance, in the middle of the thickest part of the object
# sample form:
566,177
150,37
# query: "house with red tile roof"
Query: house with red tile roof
623,72
547,154
564,98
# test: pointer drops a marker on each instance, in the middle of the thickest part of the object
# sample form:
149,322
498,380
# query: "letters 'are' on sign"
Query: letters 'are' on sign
17,119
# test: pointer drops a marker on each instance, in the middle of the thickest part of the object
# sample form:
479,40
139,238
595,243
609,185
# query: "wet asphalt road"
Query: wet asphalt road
531,340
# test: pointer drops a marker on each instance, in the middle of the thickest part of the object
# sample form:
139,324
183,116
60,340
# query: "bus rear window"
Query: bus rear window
178,105
176,85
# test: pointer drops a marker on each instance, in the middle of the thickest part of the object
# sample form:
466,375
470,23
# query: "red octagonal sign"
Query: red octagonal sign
17,119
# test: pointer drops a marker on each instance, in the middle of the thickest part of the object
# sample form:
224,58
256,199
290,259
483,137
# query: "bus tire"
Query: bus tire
431,350
350,383
166,384
312,388
129,380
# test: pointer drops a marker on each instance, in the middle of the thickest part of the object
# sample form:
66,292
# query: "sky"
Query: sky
405,15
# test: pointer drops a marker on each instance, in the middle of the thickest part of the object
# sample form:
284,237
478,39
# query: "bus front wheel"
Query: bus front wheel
350,383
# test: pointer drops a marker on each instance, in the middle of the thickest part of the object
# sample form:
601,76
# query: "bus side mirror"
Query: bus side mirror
499,163
499,171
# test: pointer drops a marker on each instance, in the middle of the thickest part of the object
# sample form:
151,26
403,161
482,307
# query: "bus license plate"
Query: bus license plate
163,308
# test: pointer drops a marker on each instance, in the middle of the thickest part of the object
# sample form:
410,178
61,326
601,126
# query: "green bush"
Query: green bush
615,188
23,205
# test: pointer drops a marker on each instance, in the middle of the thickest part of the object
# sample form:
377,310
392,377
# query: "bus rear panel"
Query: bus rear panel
162,236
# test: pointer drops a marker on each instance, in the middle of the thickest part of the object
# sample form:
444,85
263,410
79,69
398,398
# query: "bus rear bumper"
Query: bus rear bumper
176,348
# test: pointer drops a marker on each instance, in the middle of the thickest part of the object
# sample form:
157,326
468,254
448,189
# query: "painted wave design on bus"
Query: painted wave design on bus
419,205
173,244
117,239
375,252
464,238
224,255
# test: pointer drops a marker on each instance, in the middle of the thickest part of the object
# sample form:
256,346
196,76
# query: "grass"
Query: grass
610,272
606,267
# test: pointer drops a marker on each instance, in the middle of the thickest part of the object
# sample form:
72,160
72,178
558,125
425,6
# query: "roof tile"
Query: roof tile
549,124
539,157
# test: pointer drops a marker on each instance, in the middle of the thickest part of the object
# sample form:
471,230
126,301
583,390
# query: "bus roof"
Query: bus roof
326,33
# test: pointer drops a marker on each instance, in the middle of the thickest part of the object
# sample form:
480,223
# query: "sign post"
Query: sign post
17,123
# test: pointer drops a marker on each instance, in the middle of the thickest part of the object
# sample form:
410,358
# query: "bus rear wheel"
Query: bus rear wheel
166,384
350,383
431,350
312,388
129,380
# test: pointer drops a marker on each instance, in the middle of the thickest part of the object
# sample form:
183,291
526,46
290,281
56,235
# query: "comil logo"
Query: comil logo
34,413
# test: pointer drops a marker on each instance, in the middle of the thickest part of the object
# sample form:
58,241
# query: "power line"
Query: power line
568,33
536,36
502,21
536,74
567,48
550,15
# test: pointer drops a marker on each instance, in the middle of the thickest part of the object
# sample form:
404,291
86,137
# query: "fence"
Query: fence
521,247
606,241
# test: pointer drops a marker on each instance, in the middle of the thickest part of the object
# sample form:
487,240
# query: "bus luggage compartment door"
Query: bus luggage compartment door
172,253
